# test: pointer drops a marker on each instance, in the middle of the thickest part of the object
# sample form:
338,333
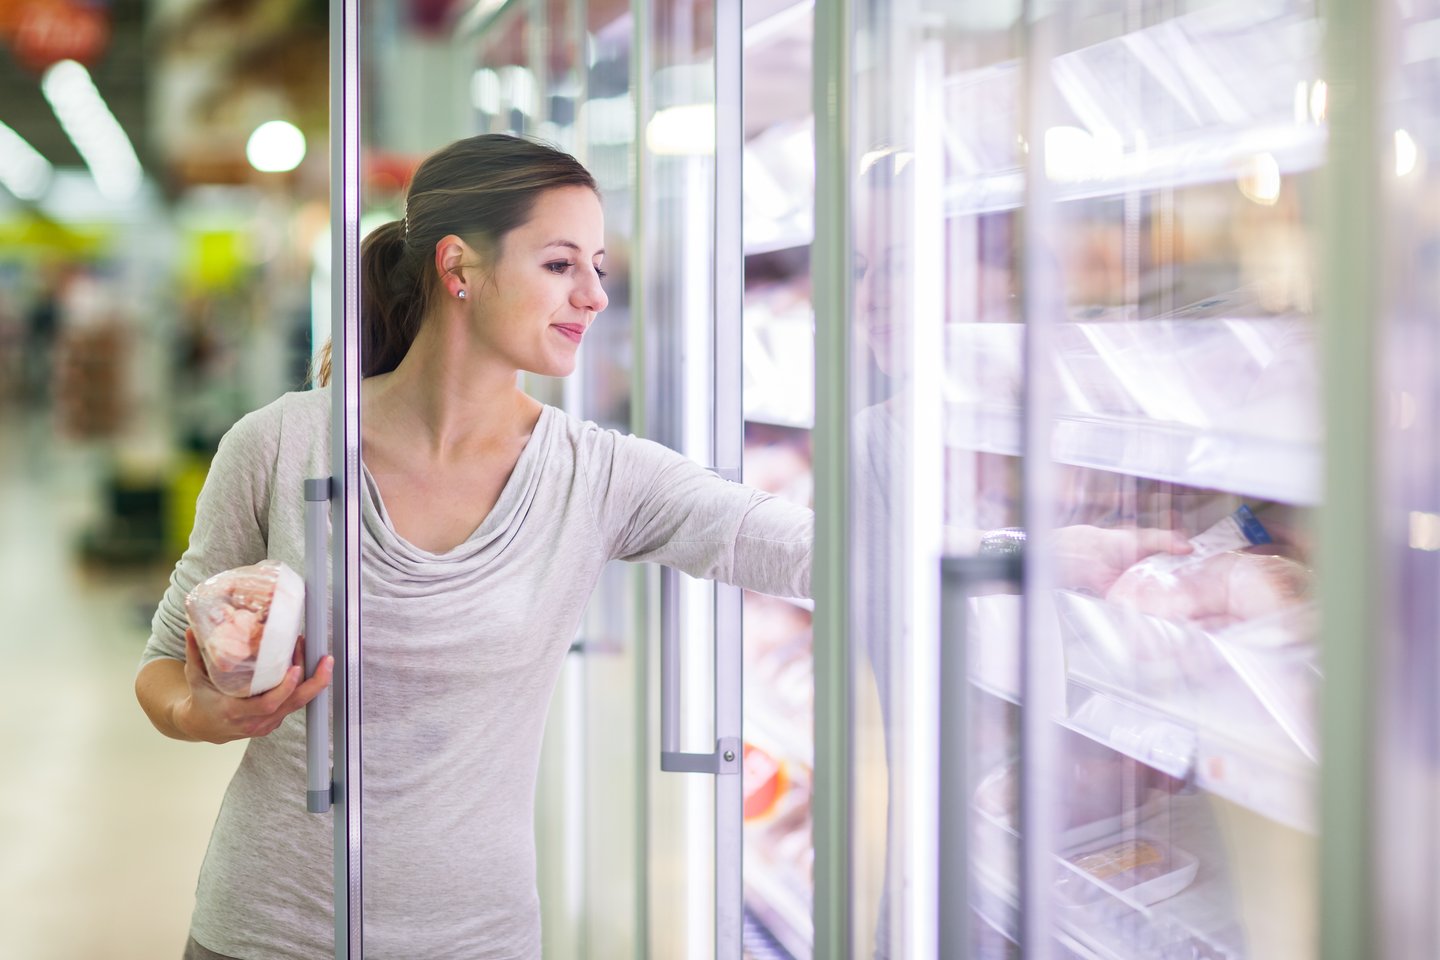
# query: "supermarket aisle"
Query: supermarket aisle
103,822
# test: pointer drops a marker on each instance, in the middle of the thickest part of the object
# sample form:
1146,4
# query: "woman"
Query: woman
487,520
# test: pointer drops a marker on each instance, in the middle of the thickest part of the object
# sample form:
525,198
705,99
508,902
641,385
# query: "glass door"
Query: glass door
778,401
1170,768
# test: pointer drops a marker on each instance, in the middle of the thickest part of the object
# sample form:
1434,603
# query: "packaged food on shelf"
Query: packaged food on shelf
1233,573
247,621
1141,869
766,781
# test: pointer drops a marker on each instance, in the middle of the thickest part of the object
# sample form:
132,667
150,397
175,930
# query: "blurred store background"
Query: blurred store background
165,187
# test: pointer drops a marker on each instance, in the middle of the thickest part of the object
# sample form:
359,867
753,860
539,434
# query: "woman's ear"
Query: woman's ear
454,264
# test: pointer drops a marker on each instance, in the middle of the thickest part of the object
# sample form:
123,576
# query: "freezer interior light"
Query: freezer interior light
687,130
1260,182
1075,155
1319,101
275,147
1407,154
98,137
23,170
1424,531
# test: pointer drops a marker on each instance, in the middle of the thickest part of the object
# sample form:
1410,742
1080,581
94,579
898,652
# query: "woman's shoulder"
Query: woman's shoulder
299,417
590,440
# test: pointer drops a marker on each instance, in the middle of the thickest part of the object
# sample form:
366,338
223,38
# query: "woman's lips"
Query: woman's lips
572,330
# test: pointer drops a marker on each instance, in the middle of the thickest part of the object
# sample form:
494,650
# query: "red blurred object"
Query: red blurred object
430,16
48,31
765,782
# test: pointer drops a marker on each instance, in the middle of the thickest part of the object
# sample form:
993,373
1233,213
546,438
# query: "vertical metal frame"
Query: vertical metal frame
640,71
729,439
830,258
924,494
345,457
1350,557
1040,673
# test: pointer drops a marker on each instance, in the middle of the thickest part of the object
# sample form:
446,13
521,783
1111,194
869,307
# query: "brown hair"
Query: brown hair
479,188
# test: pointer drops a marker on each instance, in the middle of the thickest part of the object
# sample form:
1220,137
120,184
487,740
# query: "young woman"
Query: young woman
487,520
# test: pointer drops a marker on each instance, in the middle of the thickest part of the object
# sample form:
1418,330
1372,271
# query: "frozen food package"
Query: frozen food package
1233,573
246,622
1143,869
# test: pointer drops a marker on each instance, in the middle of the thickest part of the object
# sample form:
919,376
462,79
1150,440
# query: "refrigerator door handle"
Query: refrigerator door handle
959,577
726,758
319,780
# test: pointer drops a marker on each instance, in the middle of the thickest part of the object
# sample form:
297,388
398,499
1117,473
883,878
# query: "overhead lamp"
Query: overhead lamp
276,146
90,125
23,170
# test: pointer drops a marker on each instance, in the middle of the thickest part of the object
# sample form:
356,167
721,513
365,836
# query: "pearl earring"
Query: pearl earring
461,294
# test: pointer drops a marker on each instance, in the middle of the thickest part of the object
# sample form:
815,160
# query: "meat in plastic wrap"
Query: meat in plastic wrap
246,622
1233,574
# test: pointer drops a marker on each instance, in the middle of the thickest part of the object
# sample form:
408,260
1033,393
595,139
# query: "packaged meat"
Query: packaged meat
1142,869
1234,573
246,622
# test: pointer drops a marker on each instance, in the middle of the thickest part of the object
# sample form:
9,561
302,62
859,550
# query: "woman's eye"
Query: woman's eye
558,266
602,274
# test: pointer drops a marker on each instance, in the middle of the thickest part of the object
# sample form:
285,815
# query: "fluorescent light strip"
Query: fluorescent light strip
93,129
23,171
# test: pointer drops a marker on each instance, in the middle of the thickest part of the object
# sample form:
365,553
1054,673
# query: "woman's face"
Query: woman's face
543,292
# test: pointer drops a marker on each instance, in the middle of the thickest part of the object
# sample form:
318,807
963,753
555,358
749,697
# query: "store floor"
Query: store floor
103,822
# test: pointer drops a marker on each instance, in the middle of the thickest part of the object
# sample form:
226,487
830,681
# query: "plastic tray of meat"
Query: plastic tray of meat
246,622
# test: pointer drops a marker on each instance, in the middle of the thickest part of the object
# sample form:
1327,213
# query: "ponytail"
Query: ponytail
392,304
479,188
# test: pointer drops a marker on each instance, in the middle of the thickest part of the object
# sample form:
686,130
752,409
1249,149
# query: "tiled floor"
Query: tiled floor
103,822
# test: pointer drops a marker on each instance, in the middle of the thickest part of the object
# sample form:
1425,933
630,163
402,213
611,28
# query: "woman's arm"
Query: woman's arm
652,504
183,704
231,530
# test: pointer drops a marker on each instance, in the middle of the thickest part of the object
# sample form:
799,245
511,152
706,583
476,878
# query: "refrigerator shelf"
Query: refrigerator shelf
1196,921
1233,711
1227,89
1252,467
783,912
1292,150
1205,397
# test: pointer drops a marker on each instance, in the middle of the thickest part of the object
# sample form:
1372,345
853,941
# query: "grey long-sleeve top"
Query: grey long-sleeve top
461,654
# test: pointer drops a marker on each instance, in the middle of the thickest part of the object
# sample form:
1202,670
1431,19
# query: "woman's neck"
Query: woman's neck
446,398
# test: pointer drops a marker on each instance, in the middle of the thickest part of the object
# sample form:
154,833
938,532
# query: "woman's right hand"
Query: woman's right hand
209,715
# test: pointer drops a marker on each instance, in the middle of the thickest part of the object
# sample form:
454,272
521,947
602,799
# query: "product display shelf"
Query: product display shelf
1266,468
1207,397
783,911
790,238
1224,711
1230,90
1188,165
1196,921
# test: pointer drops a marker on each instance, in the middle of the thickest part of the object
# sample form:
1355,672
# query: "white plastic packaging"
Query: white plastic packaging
246,622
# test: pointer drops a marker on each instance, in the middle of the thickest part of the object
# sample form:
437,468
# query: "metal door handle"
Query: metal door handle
726,758
959,576
318,776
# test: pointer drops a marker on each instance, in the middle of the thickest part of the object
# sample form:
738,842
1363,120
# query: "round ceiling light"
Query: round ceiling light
275,147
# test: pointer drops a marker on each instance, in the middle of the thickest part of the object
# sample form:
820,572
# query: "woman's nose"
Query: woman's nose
590,294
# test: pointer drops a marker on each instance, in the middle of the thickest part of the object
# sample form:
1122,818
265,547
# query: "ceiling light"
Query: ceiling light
23,170
275,147
97,135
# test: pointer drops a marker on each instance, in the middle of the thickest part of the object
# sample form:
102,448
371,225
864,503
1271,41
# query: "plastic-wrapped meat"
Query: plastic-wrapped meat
246,623
1217,591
